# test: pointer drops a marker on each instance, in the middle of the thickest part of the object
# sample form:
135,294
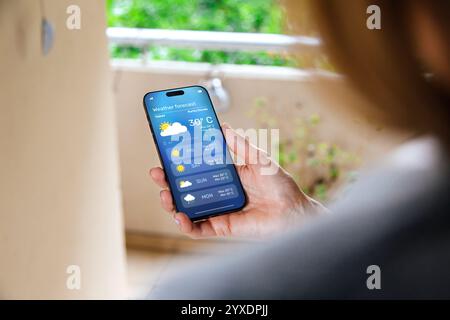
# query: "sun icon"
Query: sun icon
163,126
180,168
175,152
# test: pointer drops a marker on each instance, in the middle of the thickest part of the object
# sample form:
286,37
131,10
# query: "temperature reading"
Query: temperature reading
199,121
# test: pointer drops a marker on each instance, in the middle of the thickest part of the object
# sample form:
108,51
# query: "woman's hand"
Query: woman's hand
275,202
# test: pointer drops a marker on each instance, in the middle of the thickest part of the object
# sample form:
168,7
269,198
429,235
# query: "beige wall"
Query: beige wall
59,191
283,88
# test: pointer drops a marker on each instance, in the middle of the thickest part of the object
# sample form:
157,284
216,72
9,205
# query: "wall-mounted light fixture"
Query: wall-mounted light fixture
47,31
219,95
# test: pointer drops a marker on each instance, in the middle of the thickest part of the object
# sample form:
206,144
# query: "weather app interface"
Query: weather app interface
201,174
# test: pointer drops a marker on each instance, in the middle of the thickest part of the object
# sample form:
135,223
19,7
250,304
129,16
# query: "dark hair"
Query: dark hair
382,64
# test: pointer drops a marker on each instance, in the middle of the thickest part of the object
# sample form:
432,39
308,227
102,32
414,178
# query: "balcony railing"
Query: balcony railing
211,40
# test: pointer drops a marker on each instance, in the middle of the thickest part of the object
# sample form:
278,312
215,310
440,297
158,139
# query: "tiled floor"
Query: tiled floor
144,269
148,263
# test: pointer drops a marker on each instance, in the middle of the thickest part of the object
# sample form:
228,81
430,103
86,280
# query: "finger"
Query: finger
167,201
194,230
241,146
157,175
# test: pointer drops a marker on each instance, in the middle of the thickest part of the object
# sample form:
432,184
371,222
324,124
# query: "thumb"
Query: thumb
241,146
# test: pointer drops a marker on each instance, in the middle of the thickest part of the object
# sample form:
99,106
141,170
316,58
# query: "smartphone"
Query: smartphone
191,146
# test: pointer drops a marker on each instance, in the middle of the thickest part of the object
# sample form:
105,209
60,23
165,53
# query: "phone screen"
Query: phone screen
199,169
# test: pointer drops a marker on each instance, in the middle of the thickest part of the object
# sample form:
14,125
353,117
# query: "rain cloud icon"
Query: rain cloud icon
189,197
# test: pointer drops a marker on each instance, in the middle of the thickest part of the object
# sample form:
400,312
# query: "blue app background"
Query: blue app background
200,188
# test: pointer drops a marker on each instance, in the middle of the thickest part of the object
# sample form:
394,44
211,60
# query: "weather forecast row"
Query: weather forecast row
209,175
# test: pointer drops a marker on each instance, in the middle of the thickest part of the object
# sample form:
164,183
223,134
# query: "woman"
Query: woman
395,218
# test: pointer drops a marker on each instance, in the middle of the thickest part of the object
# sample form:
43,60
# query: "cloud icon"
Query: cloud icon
185,184
173,129
189,197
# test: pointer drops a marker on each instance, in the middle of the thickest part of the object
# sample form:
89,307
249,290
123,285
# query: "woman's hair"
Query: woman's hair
382,64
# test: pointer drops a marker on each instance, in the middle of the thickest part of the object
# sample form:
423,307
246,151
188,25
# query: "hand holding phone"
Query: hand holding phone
274,202
198,167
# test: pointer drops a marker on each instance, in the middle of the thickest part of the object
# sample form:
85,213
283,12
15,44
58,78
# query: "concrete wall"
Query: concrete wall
283,88
59,190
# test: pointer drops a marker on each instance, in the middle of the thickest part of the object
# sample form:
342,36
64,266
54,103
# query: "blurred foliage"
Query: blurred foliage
318,166
264,16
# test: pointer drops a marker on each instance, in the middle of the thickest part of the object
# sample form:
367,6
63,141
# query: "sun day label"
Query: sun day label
204,180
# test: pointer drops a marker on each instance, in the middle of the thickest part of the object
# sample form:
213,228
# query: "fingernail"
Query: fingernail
177,221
